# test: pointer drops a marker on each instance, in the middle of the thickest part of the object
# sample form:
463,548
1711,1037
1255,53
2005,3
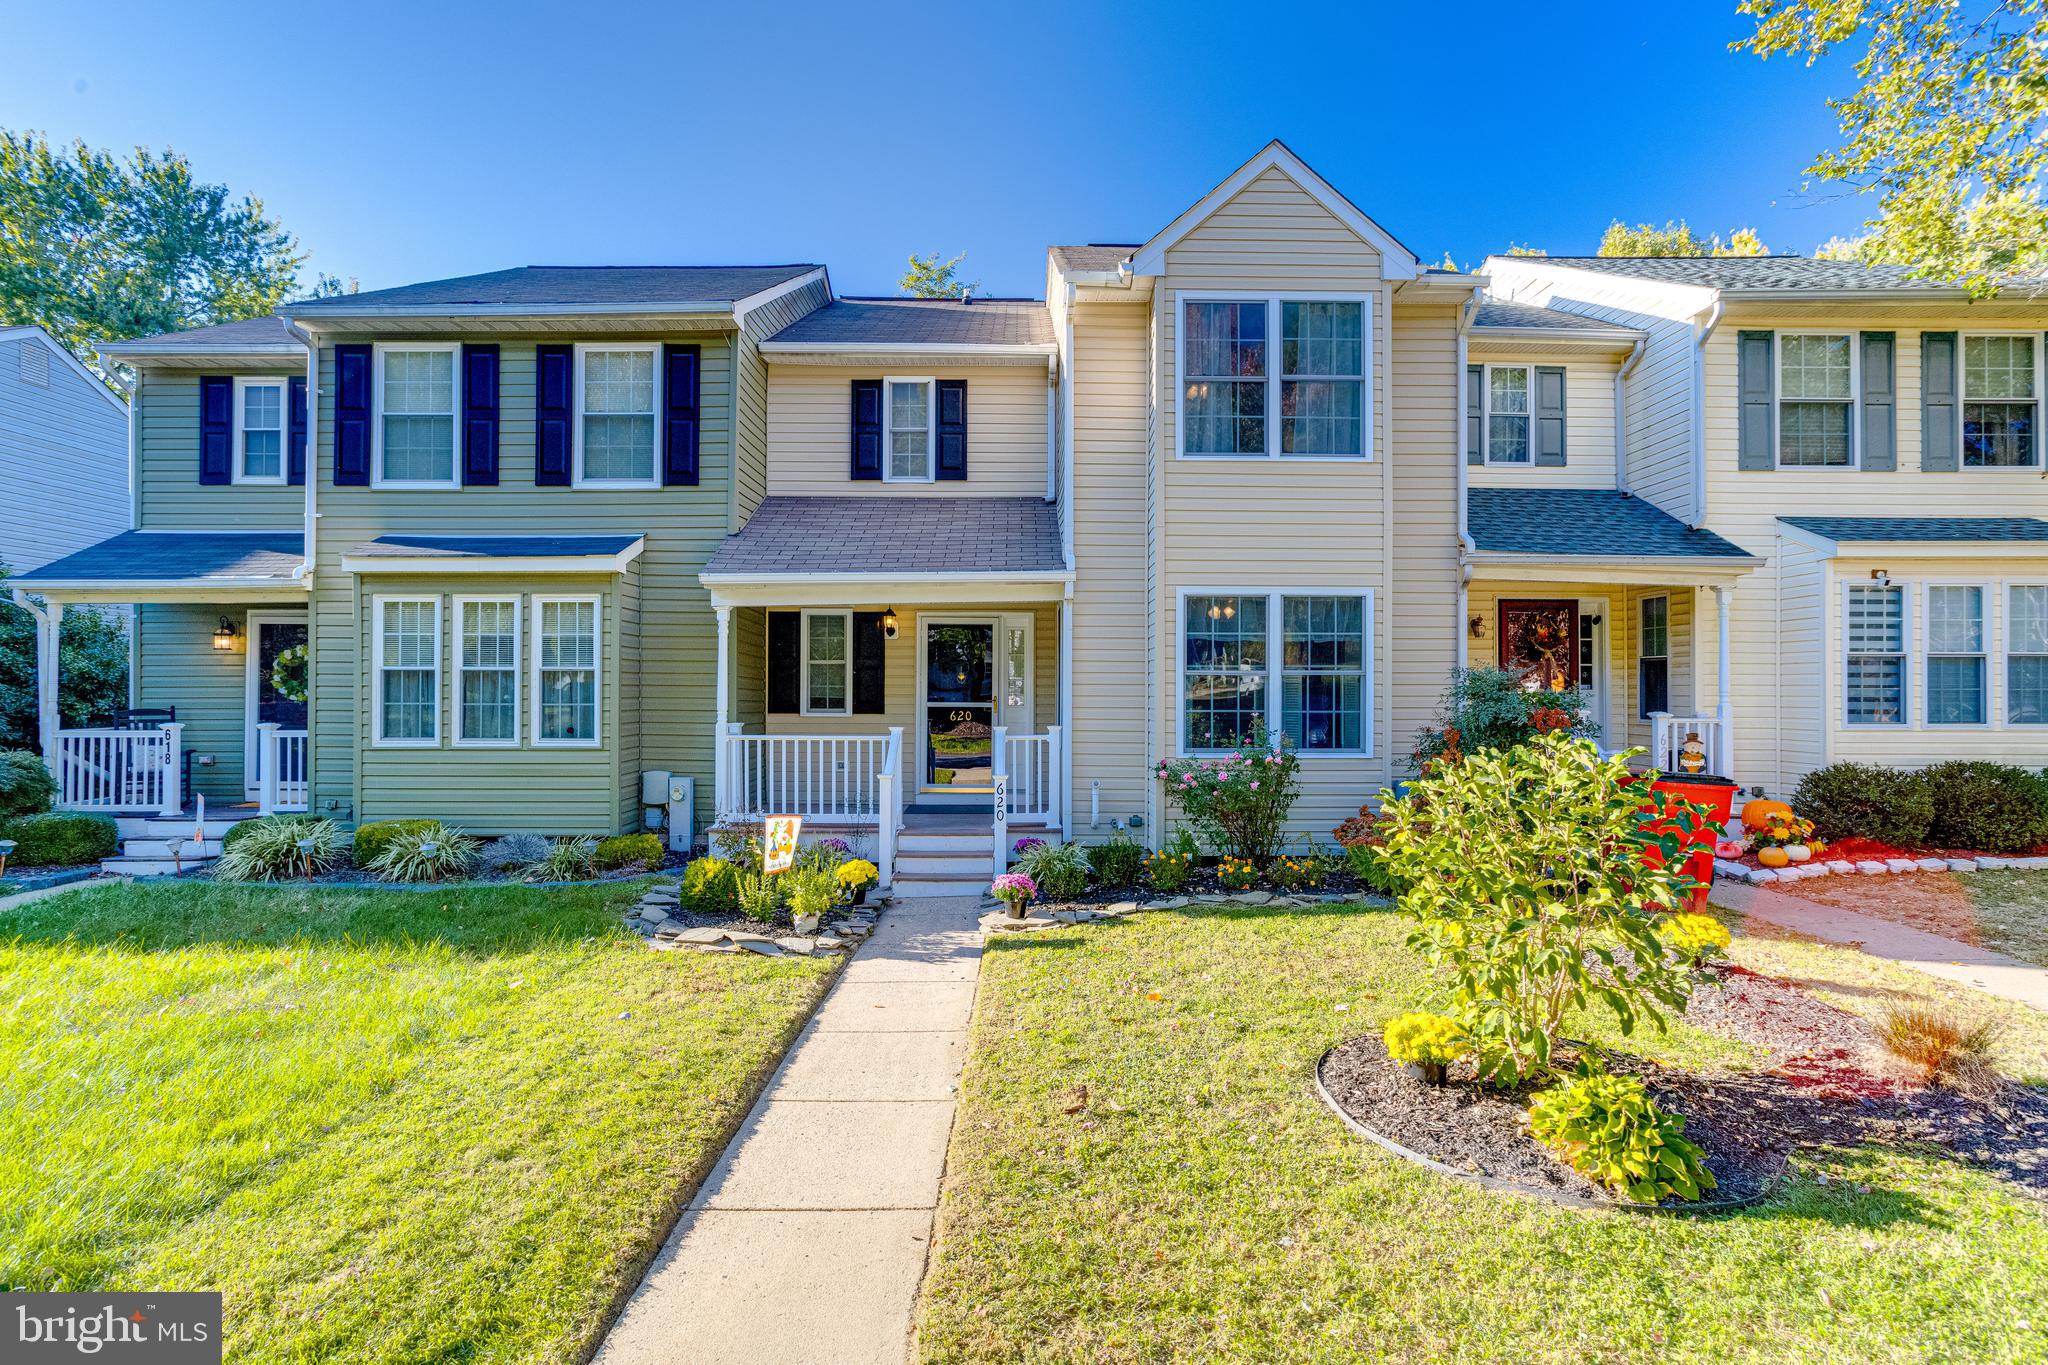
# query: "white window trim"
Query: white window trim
583,348
1528,367
1276,631
283,385
1779,400
463,741
596,739
1963,400
1908,698
1988,595
377,353
1642,703
804,697
931,443
378,604
1273,376
2000,676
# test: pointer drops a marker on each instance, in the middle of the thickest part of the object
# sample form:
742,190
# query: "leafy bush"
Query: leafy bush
1237,804
710,887
1944,1048
1609,1130
1305,871
92,657
267,850
515,852
1120,862
1489,709
759,896
811,890
376,836
1990,807
737,841
1362,837
629,850
1695,938
60,839
1169,873
1522,864
26,787
1237,874
1059,871
1862,801
569,860
1430,1041
432,852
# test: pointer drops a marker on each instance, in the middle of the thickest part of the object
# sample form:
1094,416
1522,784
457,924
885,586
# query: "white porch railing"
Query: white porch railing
281,773
827,779
1033,765
121,770
1668,734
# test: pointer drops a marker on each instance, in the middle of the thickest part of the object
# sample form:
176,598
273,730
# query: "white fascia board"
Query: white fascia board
170,589
1631,569
861,349
742,307
1605,337
1931,549
483,564
805,590
135,350
313,316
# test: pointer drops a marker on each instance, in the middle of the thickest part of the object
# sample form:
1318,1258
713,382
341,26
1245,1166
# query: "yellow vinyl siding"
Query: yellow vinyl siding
1422,610
809,431
1588,419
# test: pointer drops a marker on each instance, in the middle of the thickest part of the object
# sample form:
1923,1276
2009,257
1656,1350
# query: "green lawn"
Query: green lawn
387,1125
2011,912
1204,1204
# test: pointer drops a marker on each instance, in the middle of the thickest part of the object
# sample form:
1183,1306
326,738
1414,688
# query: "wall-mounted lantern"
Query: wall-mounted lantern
225,636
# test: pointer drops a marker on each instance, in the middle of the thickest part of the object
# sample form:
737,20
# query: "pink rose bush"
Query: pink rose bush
1237,804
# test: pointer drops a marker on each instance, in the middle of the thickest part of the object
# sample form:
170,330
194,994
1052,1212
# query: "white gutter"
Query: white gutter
1052,438
1621,378
312,513
135,452
1067,606
1030,350
1466,548
1701,332
1593,336
125,350
295,312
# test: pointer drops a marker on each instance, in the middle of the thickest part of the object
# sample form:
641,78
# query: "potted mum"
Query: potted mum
1015,891
855,876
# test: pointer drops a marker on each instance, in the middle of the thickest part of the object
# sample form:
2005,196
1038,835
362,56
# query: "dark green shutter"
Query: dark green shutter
867,429
870,666
1550,415
785,662
1475,419
1756,391
1939,432
1880,402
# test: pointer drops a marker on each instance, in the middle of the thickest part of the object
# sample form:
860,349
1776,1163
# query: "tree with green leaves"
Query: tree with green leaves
931,278
1946,127
1676,239
92,662
96,248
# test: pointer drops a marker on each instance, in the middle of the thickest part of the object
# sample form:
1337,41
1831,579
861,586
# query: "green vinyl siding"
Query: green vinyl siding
168,492
750,478
177,666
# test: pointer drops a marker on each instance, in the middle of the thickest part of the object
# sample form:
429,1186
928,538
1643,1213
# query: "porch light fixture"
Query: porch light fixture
888,623
224,637
1881,578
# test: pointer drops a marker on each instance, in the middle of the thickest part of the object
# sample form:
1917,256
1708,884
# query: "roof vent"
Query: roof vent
967,295
35,364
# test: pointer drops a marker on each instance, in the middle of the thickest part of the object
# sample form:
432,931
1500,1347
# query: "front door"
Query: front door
270,636
959,704
1539,642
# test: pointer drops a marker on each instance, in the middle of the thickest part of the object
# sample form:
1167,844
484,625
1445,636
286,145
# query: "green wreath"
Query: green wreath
288,673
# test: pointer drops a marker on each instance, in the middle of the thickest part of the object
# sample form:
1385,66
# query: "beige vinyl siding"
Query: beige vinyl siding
1798,708
1423,625
749,646
677,629
176,665
170,496
750,394
63,458
1112,518
1588,419
810,431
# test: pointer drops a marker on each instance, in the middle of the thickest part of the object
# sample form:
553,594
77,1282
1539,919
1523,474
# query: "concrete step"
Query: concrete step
149,867
155,827
166,848
915,887
942,844
967,863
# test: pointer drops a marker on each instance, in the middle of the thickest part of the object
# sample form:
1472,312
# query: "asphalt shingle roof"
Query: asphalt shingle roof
491,547
911,322
1583,521
173,556
1493,313
1967,529
879,534
264,331
1737,274
575,284
1093,255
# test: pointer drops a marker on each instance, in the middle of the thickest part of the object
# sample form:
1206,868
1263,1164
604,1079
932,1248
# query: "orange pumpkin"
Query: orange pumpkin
1756,814
1773,857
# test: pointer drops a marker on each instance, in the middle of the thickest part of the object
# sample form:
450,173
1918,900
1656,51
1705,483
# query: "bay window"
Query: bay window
1286,664
2001,386
415,398
1816,400
2026,654
1955,655
1874,645
565,670
617,389
487,671
1239,397
406,670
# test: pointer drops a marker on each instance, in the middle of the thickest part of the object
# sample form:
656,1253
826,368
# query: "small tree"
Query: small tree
1525,868
1676,239
931,278
92,653
1237,804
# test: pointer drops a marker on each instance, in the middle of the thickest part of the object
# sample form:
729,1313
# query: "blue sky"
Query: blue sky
412,141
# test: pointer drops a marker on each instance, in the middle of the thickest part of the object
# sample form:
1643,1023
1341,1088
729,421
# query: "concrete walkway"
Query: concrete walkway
808,1240
1981,968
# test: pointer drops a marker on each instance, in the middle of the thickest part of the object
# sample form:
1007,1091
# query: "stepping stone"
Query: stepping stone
701,935
1174,903
742,936
830,941
1120,908
762,946
1962,864
1872,869
1255,898
796,944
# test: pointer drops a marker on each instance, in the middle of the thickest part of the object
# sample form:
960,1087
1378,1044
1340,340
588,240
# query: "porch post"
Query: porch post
724,710
1056,779
49,633
1723,711
266,769
174,770
999,778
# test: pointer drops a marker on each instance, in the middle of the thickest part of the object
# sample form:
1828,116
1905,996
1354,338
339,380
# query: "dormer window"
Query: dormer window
2001,386
1816,400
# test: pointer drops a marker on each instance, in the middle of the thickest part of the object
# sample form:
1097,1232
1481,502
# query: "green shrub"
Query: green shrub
567,861
26,787
1862,801
811,890
1120,862
267,850
430,853
629,850
759,895
376,836
711,886
1989,807
1237,804
1168,873
1487,709
1060,871
515,852
60,839
1609,1130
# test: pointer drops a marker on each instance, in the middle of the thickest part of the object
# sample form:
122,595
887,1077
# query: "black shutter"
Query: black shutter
480,416
680,381
785,662
867,429
351,416
952,429
1549,407
1880,444
216,429
295,461
1475,421
1939,432
870,668
1756,393
554,384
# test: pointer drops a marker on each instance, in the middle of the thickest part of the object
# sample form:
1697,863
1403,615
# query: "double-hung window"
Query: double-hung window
2001,393
1816,400
487,670
618,388
565,670
1507,414
1955,655
1283,664
908,419
828,663
407,668
416,399
2026,654
1874,646
259,430
1241,398
1653,656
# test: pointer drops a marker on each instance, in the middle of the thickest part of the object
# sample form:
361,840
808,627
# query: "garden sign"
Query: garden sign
778,842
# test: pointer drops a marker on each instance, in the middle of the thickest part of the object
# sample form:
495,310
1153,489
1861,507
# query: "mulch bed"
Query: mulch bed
1203,881
1826,1083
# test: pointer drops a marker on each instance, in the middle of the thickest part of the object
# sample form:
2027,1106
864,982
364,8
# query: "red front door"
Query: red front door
1539,640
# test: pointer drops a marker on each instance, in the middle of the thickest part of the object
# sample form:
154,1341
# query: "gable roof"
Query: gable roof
1756,274
35,336
251,336
878,536
1399,262
1967,530
1092,256
566,289
914,323
1571,522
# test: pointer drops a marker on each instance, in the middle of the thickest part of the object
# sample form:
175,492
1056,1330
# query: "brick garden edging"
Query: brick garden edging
1871,867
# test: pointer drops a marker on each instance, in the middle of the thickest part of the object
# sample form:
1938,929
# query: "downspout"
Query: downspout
1621,378
1067,515
1701,332
1053,370
1466,548
135,451
312,514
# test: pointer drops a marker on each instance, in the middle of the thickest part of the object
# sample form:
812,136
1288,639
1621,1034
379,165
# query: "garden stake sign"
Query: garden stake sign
778,843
